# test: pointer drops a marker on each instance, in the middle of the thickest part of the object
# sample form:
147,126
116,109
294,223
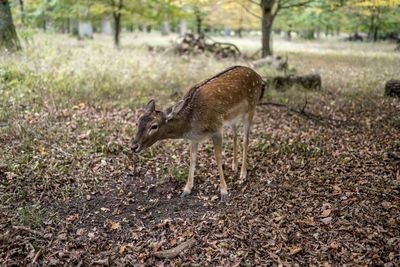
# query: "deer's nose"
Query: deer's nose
135,148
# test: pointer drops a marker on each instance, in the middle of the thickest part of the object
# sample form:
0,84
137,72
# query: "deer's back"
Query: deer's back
224,98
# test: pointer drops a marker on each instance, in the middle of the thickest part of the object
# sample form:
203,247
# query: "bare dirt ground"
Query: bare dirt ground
321,189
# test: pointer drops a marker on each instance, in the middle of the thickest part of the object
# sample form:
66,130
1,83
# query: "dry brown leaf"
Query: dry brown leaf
326,220
294,251
142,255
337,188
334,245
173,242
326,213
115,225
122,249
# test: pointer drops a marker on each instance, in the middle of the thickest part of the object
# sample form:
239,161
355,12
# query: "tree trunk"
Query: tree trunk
117,20
21,5
182,27
199,21
8,35
266,26
165,27
117,30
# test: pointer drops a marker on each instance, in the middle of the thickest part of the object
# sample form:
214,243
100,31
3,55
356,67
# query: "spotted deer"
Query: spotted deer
205,109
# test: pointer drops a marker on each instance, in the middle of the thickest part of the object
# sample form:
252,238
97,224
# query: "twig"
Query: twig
59,149
36,256
173,252
29,230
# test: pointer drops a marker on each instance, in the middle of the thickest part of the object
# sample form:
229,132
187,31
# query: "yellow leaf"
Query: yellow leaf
337,188
41,150
294,251
142,255
81,105
138,93
29,118
122,249
115,225
121,192
102,122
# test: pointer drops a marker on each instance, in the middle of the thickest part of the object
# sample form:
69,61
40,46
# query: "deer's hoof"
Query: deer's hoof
184,194
224,197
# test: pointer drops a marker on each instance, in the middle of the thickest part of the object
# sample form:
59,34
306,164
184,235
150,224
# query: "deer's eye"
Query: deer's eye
154,127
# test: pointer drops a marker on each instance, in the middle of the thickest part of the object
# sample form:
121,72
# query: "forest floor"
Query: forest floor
323,183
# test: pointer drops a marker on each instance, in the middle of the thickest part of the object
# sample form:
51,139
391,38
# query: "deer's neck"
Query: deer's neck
177,128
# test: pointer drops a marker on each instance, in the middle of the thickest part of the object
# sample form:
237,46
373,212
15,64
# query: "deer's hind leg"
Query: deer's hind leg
247,121
218,157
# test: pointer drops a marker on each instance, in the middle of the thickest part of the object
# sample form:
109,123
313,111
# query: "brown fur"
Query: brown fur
205,109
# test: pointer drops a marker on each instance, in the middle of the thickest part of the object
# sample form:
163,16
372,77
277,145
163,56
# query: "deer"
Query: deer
206,108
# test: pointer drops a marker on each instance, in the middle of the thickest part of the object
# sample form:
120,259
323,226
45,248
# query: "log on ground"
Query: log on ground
392,88
311,81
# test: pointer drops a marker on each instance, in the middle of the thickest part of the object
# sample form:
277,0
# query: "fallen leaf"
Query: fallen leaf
294,251
326,220
122,249
326,213
142,255
334,245
41,150
121,192
337,188
173,242
115,225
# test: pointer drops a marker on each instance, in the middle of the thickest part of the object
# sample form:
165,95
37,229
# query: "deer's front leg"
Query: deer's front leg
218,156
234,159
193,155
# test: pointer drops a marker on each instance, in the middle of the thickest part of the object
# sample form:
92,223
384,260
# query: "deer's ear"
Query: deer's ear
172,111
151,106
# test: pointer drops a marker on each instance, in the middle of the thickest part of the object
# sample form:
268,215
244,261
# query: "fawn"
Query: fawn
219,101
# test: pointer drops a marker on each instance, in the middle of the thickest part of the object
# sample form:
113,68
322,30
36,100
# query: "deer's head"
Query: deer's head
151,126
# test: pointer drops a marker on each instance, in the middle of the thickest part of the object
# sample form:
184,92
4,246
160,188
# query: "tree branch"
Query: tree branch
254,2
296,5
249,11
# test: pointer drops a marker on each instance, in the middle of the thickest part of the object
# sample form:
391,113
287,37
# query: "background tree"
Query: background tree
8,35
269,11
374,17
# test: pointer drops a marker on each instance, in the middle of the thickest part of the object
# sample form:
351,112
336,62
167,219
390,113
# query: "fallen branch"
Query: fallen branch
392,88
310,81
173,252
29,230
275,61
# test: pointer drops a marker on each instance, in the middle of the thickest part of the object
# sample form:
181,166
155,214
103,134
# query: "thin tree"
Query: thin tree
117,6
8,35
269,10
